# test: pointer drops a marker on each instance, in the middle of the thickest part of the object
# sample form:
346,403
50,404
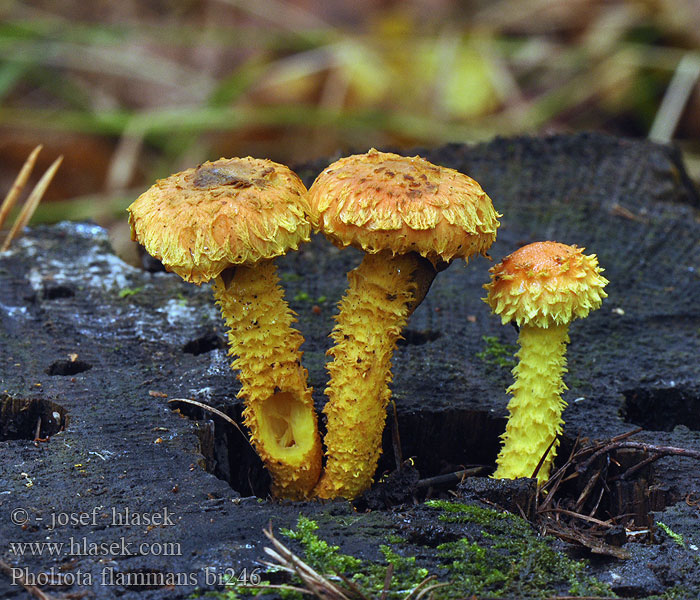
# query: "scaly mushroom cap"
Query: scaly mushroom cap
544,284
382,201
231,211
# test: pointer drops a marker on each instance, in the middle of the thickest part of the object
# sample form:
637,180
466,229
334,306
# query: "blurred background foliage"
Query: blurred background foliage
133,90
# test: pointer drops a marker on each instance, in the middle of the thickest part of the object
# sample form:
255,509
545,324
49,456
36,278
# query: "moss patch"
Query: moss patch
496,353
320,555
505,557
477,551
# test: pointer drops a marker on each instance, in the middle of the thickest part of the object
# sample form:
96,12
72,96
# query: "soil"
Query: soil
92,350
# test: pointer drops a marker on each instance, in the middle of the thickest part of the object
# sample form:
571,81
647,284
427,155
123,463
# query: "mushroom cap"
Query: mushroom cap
220,214
545,284
382,201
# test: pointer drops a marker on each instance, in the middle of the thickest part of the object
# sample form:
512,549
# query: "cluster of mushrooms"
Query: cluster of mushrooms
227,220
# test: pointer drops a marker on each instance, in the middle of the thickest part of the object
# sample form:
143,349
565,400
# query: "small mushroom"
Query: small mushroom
410,217
541,287
226,220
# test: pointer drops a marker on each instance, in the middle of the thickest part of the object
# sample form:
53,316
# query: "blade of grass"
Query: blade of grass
31,203
283,14
18,185
10,73
676,97
105,61
203,119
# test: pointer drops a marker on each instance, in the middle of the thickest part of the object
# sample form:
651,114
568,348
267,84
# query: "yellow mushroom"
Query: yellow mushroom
410,217
541,287
226,220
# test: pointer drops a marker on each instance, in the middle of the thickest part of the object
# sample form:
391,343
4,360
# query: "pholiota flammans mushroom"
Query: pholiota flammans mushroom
226,220
541,287
410,217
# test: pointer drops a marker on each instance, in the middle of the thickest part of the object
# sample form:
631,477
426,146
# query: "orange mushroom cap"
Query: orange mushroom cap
228,212
545,284
382,201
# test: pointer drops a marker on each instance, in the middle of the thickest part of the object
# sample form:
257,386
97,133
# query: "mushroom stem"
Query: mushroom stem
372,314
536,406
279,410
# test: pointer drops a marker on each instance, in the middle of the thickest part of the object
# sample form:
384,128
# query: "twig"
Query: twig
582,463
587,490
552,484
453,477
662,450
32,589
603,488
396,438
318,584
354,588
659,451
425,590
387,582
580,516
216,411
543,457
634,468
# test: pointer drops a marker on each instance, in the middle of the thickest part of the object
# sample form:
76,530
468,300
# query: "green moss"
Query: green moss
226,595
306,297
395,539
677,592
126,292
505,557
320,555
494,554
497,354
676,537
405,575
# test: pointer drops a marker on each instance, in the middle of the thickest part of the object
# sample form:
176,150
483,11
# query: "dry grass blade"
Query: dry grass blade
543,458
423,588
18,185
354,588
387,582
684,80
549,488
321,587
33,201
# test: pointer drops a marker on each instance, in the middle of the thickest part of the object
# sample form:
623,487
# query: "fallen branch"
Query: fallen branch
454,477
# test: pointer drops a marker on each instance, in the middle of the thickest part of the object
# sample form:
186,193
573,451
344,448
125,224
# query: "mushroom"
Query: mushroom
541,287
226,220
410,217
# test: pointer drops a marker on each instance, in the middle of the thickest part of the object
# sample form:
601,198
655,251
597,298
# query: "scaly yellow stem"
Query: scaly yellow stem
536,406
279,410
372,315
